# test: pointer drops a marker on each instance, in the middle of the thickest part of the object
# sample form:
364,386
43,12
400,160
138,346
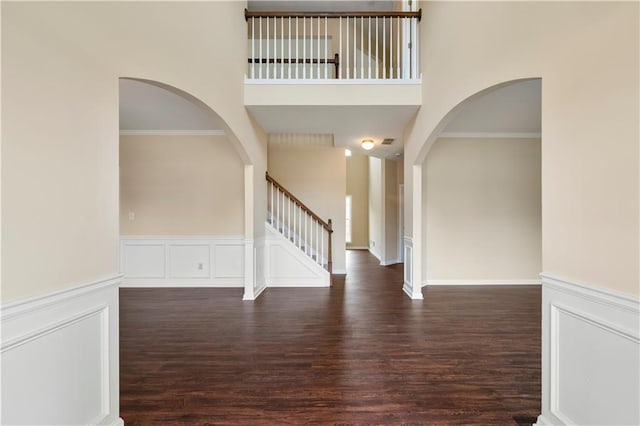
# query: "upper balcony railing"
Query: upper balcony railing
333,45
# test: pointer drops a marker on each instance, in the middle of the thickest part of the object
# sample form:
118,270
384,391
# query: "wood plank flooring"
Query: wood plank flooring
359,353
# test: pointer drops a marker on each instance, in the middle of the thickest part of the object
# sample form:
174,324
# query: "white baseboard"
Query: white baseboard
60,357
182,261
390,262
409,292
357,248
339,272
590,354
437,282
192,283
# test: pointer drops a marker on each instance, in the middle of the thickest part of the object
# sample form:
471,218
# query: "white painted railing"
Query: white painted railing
305,229
333,45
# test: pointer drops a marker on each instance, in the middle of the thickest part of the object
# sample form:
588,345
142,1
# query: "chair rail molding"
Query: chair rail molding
590,346
60,356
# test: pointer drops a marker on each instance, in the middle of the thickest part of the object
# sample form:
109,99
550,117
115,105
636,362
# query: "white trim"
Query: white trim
518,281
184,283
390,262
339,272
211,132
233,238
344,81
25,306
590,335
491,135
41,334
357,248
599,294
184,261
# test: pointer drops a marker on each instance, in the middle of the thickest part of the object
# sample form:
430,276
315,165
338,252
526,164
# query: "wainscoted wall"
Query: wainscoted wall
287,266
190,261
590,355
410,287
60,357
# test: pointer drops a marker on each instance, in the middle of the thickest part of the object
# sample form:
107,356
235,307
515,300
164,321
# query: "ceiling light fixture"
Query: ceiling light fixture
367,144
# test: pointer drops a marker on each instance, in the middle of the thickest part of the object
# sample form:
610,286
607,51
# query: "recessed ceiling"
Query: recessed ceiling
148,107
515,108
320,5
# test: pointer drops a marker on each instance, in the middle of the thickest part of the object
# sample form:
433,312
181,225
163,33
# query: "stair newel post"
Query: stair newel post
329,255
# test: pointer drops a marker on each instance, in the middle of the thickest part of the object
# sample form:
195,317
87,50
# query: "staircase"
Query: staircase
291,219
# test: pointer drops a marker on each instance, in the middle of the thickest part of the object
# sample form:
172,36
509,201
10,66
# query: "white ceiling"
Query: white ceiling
348,124
320,5
515,108
148,107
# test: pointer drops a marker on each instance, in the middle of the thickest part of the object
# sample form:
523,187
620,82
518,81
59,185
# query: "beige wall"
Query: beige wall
358,188
383,209
390,253
375,206
317,175
180,185
587,54
482,212
60,67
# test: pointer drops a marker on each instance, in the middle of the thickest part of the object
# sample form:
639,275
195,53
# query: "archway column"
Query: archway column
413,245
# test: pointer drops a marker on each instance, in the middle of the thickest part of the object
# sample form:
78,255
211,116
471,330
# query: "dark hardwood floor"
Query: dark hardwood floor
359,353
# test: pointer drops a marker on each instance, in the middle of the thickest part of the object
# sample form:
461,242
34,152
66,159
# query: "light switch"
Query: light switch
132,216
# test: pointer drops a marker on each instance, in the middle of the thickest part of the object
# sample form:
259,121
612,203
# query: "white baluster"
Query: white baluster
297,46
260,59
253,47
311,48
282,47
391,47
304,48
340,50
369,46
384,47
414,47
289,40
326,41
347,65
268,55
361,47
398,50
377,53
355,52
318,73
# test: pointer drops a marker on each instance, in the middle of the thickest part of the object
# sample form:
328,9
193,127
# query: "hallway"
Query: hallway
361,352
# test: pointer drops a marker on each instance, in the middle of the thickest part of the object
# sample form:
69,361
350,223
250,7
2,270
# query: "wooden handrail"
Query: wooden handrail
380,14
326,225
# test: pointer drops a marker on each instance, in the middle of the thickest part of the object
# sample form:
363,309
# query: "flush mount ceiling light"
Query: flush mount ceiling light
367,144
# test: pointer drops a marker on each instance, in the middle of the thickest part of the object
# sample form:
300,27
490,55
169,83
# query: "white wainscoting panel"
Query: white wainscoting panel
190,261
590,355
515,281
288,266
408,271
60,357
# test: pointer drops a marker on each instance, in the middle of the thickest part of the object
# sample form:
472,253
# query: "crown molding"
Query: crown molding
491,135
172,133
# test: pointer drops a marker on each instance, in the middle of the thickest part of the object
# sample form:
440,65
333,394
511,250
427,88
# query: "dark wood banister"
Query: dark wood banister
326,225
389,14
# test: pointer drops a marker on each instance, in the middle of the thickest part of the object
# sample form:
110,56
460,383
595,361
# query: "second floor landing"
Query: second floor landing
354,74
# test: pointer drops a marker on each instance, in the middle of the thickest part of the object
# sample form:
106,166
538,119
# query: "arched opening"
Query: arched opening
481,191
183,211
